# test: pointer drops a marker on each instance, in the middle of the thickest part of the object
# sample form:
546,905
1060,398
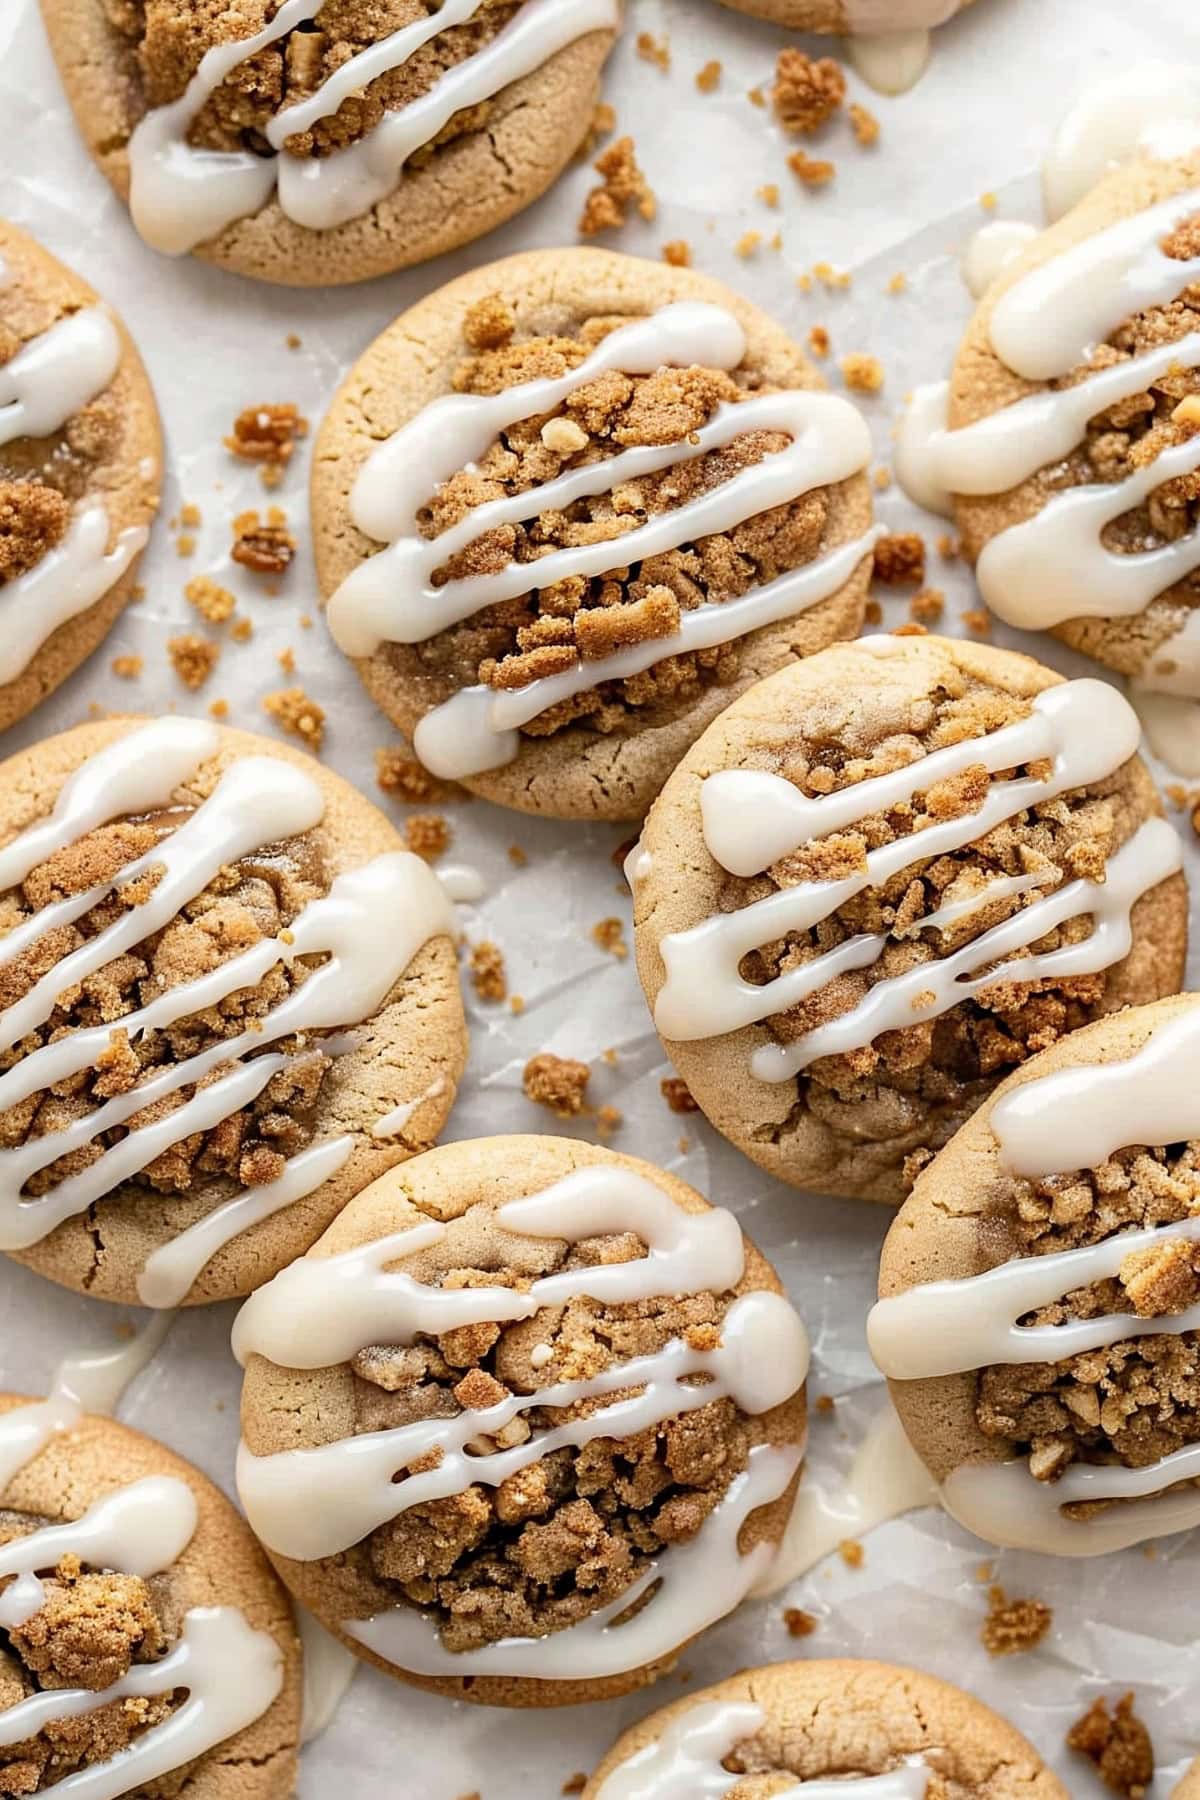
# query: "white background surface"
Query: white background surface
978,121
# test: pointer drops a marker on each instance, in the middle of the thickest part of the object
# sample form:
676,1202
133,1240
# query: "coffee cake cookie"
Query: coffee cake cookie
1067,442
527,1418
838,1728
1040,1310
694,505
229,1000
80,471
882,879
857,18
326,141
148,1649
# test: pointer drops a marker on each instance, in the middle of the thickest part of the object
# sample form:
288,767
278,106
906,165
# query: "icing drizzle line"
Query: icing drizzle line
314,1503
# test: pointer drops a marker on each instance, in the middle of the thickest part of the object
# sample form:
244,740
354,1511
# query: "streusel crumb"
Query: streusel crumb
427,835
193,658
807,92
488,976
900,559
1014,1626
624,187
267,548
1118,1744
294,712
557,1082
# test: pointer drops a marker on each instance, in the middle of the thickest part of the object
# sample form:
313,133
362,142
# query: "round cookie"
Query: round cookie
125,1572
340,144
858,18
835,1002
80,471
735,506
213,921
1038,1315
1074,471
496,1534
825,1722
1189,1787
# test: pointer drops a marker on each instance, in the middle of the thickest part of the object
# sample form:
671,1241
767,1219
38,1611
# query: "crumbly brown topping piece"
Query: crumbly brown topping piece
298,714
550,629
807,92
1118,1744
1014,1626
557,1082
624,189
193,658
487,971
900,559
266,546
677,1094
564,1536
33,521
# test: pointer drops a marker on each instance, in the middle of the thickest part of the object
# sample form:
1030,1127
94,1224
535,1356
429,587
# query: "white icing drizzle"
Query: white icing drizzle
886,1479
1150,110
181,197
686,1763
57,373
329,1668
369,926
991,250
62,584
890,61
751,818
1054,566
1172,727
392,596
96,1379
1073,1119
140,1530
392,1123
321,1311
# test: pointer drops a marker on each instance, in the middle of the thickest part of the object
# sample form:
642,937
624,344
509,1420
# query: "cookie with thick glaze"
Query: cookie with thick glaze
230,999
653,447
1071,459
80,471
129,1580
474,1441
315,144
1040,1294
828,1722
842,989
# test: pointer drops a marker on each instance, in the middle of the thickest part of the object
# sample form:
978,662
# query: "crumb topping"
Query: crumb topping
1014,1626
1118,1744
557,1082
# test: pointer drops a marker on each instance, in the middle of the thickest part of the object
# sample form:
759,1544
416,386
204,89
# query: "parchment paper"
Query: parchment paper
978,121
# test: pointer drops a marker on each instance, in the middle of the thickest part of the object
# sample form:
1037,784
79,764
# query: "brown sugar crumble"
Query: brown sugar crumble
852,1553
928,605
748,244
427,835
863,373
1013,1627
193,658
800,1624
1118,1745
398,772
654,50
818,340
575,1784
609,935
489,324
624,187
863,123
266,547
557,1082
301,717
212,601
813,171
900,559
768,193
709,77
267,435
127,668
488,976
979,621
807,91
678,253
677,1094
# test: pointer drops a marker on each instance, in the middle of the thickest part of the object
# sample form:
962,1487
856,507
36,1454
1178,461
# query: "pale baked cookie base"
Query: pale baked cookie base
803,15
128,481
445,1183
577,773
415,1041
221,1566
818,1712
468,188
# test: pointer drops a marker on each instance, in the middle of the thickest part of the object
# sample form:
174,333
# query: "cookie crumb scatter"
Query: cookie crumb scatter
292,340
295,713
267,548
800,1624
1013,1627
212,601
487,971
709,77
678,253
898,283
813,171
193,658
862,373
489,324
910,628
768,193
185,544
873,613
242,630
818,340
608,1121
828,276
398,772
900,559
517,857
557,1082
219,709
127,668
603,124
928,605
979,621
624,187
988,201
190,515
756,97
1118,1744
852,1553
807,91
948,547
863,123
516,1004
654,50
747,244
575,1784
881,479
609,935
826,1405
677,1094
287,661
427,835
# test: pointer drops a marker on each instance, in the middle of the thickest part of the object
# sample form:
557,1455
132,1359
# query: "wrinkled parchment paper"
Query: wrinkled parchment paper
978,122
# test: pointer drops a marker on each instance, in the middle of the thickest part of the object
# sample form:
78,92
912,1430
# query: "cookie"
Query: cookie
852,917
864,1726
1189,1787
128,1579
315,144
1040,1310
1067,443
859,18
80,471
704,520
428,1456
229,1001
